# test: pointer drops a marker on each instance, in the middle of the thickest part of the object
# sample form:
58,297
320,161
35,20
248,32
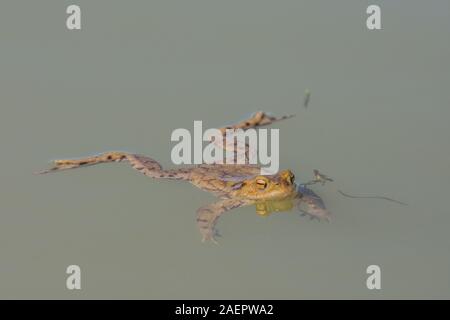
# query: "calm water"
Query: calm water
378,123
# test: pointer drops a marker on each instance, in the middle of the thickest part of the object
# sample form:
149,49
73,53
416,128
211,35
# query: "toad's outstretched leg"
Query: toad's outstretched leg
143,164
258,119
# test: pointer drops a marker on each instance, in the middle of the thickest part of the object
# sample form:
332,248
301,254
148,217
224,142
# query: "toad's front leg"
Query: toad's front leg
207,216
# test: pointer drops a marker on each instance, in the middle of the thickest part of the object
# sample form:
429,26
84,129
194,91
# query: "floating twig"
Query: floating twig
371,197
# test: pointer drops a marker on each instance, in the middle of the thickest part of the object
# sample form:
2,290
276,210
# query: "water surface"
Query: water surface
377,122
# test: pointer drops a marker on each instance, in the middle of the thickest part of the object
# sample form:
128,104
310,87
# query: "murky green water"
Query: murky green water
378,123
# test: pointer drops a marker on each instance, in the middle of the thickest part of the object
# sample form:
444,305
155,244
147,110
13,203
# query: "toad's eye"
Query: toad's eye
261,184
291,179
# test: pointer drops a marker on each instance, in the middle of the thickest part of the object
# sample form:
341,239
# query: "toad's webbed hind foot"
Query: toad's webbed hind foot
258,119
84,162
143,164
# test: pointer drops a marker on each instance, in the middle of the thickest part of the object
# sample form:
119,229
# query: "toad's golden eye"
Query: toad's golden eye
261,184
291,179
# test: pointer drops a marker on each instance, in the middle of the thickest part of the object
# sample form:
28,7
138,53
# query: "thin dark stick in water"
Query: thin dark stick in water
306,98
371,197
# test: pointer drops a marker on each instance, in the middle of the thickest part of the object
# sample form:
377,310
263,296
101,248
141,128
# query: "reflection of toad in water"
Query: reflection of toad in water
305,201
